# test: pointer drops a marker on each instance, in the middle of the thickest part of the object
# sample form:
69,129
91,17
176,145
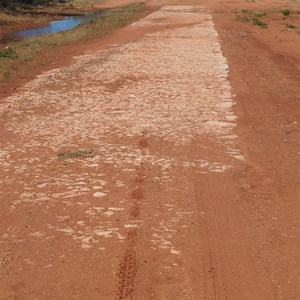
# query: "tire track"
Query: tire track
128,266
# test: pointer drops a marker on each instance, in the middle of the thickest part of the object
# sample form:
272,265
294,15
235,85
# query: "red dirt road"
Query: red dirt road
161,164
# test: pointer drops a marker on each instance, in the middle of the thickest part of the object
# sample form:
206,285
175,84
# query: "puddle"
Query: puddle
55,26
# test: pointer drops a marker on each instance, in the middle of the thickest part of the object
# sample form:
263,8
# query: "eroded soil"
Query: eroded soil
162,162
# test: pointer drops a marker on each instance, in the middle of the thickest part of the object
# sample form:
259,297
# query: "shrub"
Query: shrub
259,23
8,52
286,12
290,26
13,3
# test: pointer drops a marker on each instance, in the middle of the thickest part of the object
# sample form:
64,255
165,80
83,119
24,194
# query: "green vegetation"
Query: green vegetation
286,12
11,18
13,3
29,49
84,3
8,52
259,23
257,14
290,26
77,154
253,17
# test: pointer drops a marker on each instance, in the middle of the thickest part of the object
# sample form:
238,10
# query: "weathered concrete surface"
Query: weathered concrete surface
117,174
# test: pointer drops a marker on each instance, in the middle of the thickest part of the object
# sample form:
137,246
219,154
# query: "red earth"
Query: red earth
159,162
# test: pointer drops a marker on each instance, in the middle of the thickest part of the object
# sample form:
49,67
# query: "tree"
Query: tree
13,3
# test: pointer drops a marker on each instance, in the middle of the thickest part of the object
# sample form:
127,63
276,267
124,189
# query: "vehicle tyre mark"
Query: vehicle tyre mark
128,267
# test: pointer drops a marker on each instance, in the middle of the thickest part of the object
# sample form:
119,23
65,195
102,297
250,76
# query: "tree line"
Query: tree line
14,3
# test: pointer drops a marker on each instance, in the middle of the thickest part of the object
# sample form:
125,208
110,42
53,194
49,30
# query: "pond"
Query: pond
56,26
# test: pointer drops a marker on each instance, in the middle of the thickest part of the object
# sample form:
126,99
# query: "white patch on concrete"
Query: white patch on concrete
99,194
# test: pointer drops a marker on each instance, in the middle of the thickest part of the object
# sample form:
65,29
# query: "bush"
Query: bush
290,26
286,12
14,3
259,23
8,52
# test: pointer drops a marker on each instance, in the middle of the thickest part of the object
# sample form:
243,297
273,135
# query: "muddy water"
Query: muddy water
57,25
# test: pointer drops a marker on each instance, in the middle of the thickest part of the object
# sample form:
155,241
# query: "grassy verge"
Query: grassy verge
45,5
7,19
29,49
253,17
84,3
256,17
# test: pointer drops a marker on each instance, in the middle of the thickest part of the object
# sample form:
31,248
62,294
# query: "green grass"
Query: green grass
8,52
8,18
29,49
286,12
253,13
259,23
84,3
253,17
291,26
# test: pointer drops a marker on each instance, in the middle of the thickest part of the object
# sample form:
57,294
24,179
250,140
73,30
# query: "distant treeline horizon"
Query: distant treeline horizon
14,3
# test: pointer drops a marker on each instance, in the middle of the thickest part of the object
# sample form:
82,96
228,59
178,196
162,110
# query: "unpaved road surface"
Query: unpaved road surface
128,175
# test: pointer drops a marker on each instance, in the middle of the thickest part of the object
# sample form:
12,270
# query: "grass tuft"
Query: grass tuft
286,12
259,23
290,26
77,154
8,52
253,17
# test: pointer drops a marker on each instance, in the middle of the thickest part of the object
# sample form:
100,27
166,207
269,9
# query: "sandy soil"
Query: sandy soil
161,162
